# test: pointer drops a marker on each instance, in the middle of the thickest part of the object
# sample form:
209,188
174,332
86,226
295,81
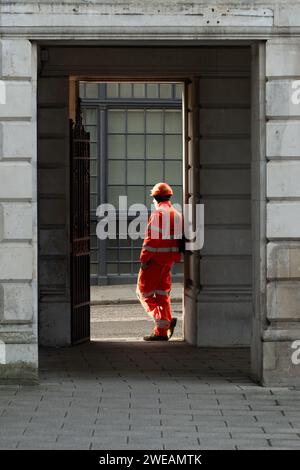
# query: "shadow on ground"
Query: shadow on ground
135,395
173,361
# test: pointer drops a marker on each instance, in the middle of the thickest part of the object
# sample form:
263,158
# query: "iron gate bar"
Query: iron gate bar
79,229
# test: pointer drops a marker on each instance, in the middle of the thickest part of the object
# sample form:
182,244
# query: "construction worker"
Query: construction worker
159,252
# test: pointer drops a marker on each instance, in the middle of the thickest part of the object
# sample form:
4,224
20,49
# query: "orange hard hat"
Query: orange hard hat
161,189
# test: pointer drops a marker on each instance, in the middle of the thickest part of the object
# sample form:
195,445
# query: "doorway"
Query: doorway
218,285
135,141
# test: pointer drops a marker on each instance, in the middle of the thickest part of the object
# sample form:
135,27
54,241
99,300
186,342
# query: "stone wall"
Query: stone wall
18,261
276,228
283,210
225,300
225,297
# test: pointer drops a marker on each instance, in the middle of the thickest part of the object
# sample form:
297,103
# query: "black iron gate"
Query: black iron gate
80,229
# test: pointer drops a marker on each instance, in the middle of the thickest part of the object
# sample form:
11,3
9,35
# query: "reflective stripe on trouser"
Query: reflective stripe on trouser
153,290
159,308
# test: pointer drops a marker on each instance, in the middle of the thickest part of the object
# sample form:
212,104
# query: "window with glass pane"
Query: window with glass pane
173,122
141,144
135,146
173,146
139,90
94,250
125,90
135,172
152,90
154,121
135,121
91,90
165,90
116,121
112,90
155,146
116,146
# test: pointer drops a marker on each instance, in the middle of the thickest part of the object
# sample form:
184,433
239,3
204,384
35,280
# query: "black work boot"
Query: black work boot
155,338
172,327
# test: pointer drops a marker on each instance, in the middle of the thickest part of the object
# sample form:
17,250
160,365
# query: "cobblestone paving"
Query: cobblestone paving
135,395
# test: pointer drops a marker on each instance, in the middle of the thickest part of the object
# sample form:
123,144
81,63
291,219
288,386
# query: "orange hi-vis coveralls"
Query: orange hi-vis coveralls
159,252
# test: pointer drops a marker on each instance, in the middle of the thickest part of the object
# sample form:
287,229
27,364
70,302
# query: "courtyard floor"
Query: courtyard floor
135,395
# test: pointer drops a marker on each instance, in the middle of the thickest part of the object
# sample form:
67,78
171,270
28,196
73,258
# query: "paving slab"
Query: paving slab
109,395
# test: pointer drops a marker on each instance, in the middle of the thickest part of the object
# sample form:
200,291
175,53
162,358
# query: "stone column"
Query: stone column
18,245
281,337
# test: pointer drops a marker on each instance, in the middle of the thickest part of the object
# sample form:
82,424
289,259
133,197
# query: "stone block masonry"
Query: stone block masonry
18,272
283,211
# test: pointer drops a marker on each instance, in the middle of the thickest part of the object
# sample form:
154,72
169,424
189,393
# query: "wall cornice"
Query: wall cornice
164,20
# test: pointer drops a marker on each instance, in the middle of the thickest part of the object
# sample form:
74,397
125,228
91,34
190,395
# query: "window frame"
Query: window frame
102,106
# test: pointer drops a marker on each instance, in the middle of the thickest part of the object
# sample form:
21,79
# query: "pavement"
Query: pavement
117,315
118,392
127,322
135,395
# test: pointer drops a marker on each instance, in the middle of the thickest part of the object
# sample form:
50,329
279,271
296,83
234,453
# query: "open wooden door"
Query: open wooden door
191,183
79,229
